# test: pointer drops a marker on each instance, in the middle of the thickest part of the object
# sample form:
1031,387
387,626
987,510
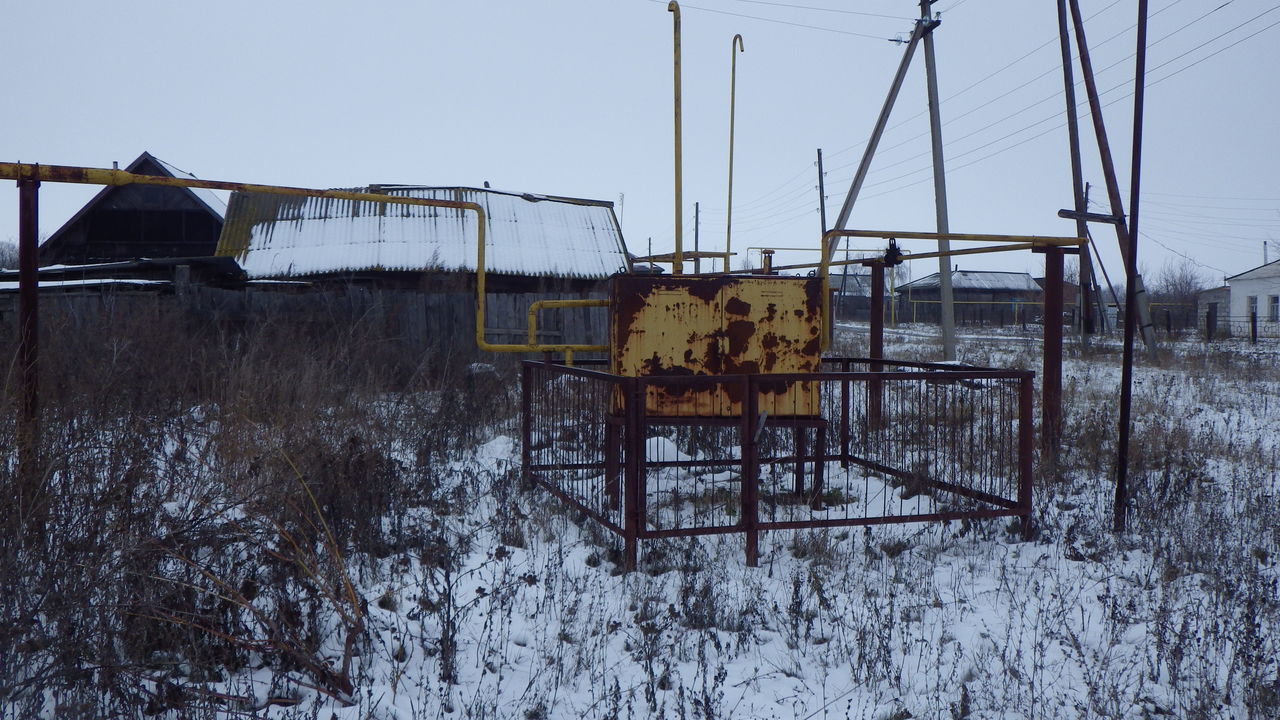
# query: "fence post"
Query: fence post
874,388
750,471
1253,327
526,425
844,415
1026,447
633,475
28,500
1211,323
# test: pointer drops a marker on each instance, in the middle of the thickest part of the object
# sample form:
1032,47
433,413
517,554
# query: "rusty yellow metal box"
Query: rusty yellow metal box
717,325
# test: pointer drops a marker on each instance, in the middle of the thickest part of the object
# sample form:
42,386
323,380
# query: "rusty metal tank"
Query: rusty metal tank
718,325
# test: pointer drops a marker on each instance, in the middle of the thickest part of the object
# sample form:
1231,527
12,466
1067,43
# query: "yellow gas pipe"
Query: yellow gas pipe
735,47
677,267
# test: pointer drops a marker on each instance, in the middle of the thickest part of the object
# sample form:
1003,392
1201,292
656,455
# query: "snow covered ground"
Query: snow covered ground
516,608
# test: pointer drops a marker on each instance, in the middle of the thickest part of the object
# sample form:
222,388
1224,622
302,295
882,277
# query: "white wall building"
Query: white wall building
1257,291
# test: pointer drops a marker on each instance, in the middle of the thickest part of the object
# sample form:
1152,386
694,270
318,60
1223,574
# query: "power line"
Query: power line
822,9
780,22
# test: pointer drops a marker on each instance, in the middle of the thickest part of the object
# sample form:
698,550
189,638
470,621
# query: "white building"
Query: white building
1257,292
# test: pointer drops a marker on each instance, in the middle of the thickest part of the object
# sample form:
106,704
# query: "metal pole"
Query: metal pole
1113,185
948,319
677,266
1051,383
864,166
750,471
1026,442
735,46
28,347
1077,173
876,351
1130,311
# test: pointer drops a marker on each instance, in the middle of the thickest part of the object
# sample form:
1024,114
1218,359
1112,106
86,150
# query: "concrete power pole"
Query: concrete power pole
948,318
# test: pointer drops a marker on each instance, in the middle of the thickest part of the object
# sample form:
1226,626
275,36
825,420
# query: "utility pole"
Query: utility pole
1130,311
697,220
822,217
1078,196
1117,216
948,319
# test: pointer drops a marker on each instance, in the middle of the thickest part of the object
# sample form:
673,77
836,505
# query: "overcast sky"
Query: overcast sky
574,97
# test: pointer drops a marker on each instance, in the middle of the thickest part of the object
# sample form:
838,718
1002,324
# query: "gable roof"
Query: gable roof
1269,270
532,235
977,280
146,164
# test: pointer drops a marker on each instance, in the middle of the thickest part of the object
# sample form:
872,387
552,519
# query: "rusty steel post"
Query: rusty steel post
28,348
633,474
797,433
750,471
1051,383
845,402
875,387
526,425
1026,448
612,449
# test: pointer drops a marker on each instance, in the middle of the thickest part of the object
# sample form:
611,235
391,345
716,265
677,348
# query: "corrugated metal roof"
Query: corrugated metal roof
279,236
978,280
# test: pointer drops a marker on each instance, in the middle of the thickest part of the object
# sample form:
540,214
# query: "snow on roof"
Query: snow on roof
208,197
279,236
978,280
7,286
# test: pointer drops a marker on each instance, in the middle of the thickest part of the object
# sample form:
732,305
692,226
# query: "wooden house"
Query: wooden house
414,267
130,222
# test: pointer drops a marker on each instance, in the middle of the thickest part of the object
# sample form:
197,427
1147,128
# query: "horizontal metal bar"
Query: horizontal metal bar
574,502
887,520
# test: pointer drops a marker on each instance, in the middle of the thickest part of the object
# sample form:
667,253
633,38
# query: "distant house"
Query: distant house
421,261
852,295
1256,292
981,297
1213,311
130,222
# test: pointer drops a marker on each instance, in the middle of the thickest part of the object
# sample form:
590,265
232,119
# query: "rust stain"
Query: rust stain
739,333
736,306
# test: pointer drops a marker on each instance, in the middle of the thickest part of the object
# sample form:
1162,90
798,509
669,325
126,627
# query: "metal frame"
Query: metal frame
607,454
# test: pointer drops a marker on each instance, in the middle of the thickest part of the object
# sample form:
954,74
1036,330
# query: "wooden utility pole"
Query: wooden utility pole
1130,311
1117,217
1078,196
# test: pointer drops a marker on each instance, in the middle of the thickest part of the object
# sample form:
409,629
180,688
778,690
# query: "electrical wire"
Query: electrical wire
780,22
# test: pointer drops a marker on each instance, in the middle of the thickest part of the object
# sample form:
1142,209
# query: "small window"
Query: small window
1251,306
1273,311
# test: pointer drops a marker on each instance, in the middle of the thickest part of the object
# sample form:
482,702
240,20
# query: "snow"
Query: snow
525,235
958,620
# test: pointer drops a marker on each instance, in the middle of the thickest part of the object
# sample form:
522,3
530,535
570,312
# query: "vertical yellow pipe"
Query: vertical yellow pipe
677,267
735,47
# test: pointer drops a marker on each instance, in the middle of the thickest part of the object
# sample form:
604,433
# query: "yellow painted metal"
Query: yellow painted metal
103,176
677,267
736,43
713,326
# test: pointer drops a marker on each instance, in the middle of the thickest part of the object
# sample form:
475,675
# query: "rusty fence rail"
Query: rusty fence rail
892,442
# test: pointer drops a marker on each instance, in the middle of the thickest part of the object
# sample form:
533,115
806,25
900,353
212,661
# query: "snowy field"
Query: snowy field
496,602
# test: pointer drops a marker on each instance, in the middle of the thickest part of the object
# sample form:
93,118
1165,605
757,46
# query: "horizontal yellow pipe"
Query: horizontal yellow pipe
103,176
540,304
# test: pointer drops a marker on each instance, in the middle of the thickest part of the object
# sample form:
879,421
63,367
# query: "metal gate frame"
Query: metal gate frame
620,457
